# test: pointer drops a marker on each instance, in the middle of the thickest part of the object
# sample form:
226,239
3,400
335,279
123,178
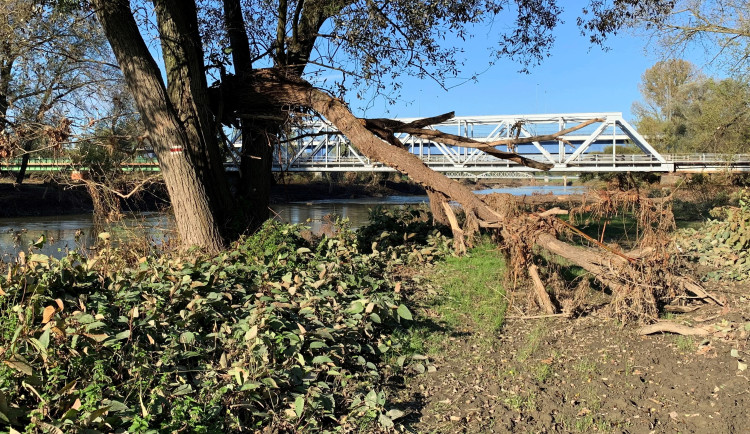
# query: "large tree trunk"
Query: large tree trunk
299,92
188,92
191,201
21,175
257,136
255,169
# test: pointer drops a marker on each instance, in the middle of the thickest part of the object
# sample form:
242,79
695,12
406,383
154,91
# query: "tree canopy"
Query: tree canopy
53,67
684,112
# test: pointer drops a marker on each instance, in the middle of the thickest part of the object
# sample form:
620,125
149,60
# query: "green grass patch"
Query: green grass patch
685,343
472,289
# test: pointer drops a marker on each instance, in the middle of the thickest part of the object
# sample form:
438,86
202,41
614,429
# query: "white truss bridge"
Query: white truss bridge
609,146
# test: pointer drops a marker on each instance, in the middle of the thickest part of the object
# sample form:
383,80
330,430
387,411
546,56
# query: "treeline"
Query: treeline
684,111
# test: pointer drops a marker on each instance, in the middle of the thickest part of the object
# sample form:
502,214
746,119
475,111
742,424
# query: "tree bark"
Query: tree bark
188,91
21,175
188,193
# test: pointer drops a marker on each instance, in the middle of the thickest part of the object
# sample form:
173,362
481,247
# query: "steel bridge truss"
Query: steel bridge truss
319,146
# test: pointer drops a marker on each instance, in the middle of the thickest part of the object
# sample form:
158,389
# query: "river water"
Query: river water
75,231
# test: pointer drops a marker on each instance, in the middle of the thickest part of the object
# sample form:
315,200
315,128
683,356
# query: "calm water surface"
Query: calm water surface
75,231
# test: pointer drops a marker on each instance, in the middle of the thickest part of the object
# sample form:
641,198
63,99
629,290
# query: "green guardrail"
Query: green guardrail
139,164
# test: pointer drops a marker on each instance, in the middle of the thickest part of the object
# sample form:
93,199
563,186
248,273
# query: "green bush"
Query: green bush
276,331
722,242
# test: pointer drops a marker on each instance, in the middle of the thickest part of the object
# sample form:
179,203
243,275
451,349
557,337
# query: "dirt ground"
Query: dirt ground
587,374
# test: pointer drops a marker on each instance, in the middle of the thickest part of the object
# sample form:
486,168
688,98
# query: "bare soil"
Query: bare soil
588,374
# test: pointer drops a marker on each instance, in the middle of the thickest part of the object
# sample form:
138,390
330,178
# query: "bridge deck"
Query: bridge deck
321,148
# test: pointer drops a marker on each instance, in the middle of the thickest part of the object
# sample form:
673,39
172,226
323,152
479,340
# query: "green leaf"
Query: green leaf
356,307
385,421
299,405
123,335
20,364
404,313
187,338
37,257
318,360
40,242
44,339
182,389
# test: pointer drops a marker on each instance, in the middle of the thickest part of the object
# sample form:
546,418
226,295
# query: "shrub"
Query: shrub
275,331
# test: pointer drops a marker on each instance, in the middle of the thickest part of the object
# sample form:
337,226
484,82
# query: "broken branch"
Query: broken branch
670,327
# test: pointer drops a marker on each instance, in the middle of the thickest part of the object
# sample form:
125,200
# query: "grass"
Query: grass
685,343
585,366
521,403
533,341
542,372
472,289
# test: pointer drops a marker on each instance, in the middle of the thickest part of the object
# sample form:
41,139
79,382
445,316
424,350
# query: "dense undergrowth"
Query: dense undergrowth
722,242
278,331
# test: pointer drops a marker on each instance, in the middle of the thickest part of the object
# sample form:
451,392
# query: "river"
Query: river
75,231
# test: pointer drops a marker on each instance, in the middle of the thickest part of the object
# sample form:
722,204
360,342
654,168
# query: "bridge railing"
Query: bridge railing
707,158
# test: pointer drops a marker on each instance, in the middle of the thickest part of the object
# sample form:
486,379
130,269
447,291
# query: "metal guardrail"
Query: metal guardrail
479,163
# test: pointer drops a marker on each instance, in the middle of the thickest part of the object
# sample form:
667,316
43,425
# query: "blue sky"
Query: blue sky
575,78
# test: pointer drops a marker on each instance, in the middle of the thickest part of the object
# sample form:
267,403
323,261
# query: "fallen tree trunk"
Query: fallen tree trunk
519,233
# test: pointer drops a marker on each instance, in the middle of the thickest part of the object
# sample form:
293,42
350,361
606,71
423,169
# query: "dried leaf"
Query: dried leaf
252,333
49,311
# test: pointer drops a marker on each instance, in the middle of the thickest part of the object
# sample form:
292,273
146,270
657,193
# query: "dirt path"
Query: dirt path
583,375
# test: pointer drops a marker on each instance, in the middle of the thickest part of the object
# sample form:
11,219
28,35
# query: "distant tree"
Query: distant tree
53,59
683,111
666,88
718,121
721,28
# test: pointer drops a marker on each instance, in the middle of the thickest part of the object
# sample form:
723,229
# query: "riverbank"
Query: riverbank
35,197
318,190
497,368
40,199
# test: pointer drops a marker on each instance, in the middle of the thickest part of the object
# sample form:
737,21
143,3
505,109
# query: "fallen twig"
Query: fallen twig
700,292
671,327
541,292
680,309
552,315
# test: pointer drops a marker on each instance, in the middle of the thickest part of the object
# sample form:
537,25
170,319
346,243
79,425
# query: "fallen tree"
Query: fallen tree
639,285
